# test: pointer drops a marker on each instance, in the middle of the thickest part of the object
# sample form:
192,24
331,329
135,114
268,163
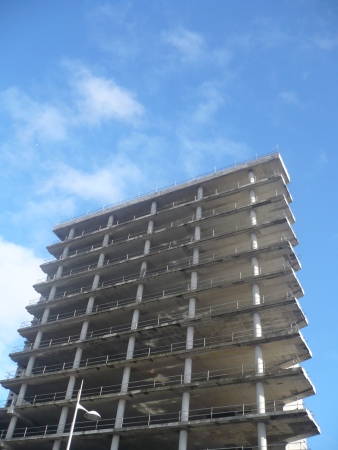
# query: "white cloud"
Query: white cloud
19,269
212,100
325,42
33,119
191,45
290,98
100,99
107,185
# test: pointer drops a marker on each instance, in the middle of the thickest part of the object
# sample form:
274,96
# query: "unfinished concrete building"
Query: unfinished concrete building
180,312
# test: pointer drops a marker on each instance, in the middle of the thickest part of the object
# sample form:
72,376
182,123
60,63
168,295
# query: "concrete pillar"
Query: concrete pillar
146,247
143,270
110,221
77,358
195,256
105,241
256,298
259,363
257,325
52,293
65,252
253,218
90,305
199,193
30,365
115,442
153,208
84,330
190,338
193,282
57,445
150,227
59,272
134,322
139,292
131,347
197,236
254,265
125,379
183,442
96,281
120,413
38,338
70,387
11,427
71,233
251,176
185,407
198,213
21,396
261,433
101,260
45,315
187,370
260,398
252,196
254,241
62,420
192,308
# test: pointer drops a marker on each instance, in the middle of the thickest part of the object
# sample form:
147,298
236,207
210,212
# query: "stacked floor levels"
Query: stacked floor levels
179,311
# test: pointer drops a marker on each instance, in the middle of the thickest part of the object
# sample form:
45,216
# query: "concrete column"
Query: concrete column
134,322
197,236
146,247
261,434
30,366
105,241
192,308
252,196
52,293
143,270
185,407
251,176
260,398
38,338
62,420
59,272
150,227
65,252
110,221
21,395
84,330
153,208
125,379
139,292
45,315
256,298
193,282
257,325
11,427
115,442
259,363
70,387
187,370
253,218
183,442
101,260
57,445
254,241
198,212
254,265
90,305
190,338
96,281
77,358
195,256
120,413
71,233
131,347
200,193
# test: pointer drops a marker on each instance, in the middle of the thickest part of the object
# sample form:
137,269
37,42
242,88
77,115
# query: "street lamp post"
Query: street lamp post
90,415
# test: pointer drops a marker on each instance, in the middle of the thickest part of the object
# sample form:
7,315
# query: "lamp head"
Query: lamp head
92,415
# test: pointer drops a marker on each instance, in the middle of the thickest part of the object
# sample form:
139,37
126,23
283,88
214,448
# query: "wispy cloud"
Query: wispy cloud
290,98
191,45
211,100
325,42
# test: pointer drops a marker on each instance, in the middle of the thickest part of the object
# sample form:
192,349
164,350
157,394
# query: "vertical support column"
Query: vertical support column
253,218
255,266
252,196
153,208
261,431
251,176
66,249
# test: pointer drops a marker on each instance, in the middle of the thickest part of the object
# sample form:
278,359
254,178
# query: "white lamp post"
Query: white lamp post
90,415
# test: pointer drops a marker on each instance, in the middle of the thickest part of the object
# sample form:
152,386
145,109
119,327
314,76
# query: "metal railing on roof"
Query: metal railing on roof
174,185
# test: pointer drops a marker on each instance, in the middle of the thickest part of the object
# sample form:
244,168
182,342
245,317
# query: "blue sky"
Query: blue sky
102,100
